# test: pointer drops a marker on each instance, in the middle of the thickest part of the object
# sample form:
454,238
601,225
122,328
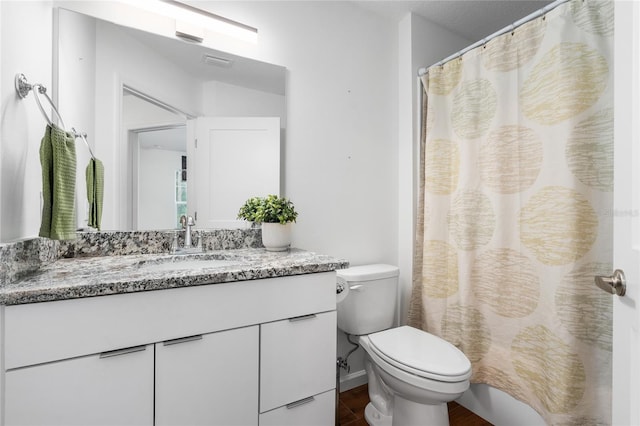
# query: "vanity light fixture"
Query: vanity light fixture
212,21
191,22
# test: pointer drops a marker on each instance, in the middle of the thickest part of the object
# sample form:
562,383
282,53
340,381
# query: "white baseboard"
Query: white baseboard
353,380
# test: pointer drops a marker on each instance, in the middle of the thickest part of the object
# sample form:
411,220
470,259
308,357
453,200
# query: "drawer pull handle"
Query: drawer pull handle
301,402
302,317
182,340
124,351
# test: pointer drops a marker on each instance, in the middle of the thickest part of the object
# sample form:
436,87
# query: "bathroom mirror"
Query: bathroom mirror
131,92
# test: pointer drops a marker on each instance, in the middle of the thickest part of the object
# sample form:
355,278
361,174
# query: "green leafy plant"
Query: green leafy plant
250,208
277,210
271,209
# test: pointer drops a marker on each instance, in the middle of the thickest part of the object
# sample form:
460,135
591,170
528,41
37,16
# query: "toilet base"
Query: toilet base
375,417
408,413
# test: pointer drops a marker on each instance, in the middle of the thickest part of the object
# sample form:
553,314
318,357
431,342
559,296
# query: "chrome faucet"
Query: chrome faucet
187,223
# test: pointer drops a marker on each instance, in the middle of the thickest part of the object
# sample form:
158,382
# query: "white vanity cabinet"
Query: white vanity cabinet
235,353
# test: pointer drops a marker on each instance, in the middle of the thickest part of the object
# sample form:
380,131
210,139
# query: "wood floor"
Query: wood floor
352,403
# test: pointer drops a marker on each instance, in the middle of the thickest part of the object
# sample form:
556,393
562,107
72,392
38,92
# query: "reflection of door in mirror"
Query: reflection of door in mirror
236,158
157,142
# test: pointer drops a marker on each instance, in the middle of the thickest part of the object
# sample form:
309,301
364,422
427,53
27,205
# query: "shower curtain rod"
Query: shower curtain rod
530,17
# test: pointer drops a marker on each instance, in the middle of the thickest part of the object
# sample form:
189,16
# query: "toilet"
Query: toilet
412,374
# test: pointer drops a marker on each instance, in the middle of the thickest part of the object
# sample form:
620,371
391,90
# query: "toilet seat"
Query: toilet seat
420,353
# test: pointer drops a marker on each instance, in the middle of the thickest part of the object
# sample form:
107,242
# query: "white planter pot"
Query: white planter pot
276,237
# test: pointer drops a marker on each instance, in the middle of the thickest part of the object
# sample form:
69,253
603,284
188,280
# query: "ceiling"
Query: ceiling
472,19
222,66
171,139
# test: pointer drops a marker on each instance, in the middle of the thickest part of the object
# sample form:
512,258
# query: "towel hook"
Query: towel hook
23,88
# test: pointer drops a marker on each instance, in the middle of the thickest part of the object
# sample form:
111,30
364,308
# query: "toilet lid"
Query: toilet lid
421,353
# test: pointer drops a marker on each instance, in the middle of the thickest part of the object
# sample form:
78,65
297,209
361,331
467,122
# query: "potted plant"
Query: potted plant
276,214
249,210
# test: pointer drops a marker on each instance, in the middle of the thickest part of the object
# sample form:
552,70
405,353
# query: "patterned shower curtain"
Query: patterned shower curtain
515,214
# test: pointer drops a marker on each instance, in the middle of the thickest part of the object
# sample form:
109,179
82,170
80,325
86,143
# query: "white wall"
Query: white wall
25,48
227,100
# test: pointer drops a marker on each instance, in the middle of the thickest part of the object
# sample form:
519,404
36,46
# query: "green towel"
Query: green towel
95,191
58,160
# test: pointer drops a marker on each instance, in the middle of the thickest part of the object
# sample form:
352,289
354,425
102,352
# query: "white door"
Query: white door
626,342
234,158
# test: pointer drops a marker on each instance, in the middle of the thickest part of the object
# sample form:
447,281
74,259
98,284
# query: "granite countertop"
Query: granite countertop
100,276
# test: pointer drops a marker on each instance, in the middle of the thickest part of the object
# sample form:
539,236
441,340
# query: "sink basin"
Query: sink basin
182,264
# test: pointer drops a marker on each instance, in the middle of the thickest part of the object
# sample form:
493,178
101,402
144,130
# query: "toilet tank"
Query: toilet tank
367,302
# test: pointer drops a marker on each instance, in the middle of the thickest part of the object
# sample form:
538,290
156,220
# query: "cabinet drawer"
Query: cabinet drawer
297,359
318,410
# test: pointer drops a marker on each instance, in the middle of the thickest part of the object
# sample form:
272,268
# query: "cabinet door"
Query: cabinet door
297,359
318,410
113,388
209,379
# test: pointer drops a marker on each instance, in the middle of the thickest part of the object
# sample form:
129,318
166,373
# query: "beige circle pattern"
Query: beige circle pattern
558,225
500,380
439,270
595,17
443,79
471,220
589,151
510,159
585,310
565,82
542,359
513,51
507,282
474,106
467,329
442,164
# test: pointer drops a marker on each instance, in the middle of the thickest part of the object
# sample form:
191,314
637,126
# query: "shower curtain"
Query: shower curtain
515,215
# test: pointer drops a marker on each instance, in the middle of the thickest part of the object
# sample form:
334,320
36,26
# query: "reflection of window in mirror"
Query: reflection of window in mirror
181,195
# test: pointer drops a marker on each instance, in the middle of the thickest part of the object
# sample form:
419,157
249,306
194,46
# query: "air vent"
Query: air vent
217,61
